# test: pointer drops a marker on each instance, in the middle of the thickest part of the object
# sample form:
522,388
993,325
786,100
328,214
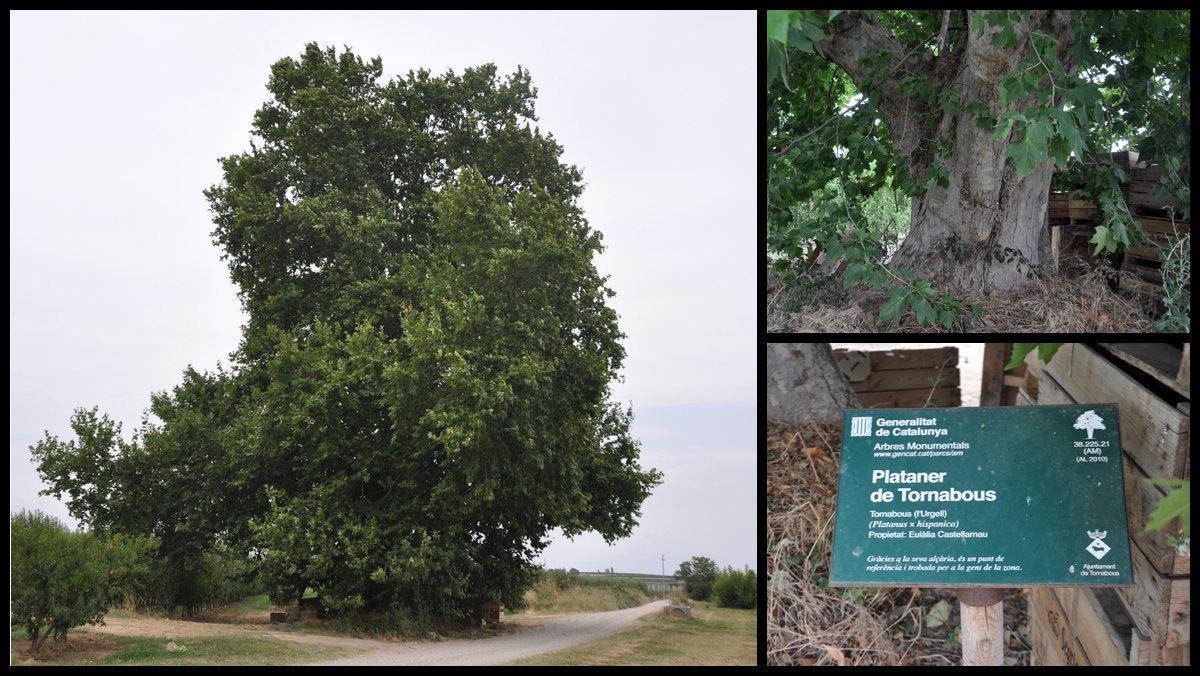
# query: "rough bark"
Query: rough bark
986,229
804,384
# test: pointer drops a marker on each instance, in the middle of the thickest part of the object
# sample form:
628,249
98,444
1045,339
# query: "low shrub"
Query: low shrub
736,588
58,578
560,591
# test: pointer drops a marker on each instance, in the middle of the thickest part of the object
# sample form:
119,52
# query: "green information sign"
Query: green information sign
996,497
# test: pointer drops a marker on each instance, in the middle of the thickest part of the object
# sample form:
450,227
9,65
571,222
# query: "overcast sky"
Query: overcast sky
117,121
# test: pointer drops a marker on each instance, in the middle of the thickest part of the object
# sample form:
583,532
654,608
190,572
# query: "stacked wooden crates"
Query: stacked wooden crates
902,378
1149,623
1069,216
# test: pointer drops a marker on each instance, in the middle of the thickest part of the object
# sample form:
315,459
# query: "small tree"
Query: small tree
736,588
698,575
58,578
1089,421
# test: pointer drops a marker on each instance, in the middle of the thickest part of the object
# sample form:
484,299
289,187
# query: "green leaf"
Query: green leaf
892,308
947,318
1175,505
813,32
777,25
1019,350
1038,132
938,614
925,313
774,59
1103,239
855,273
1060,150
834,12
1046,351
1027,156
1003,129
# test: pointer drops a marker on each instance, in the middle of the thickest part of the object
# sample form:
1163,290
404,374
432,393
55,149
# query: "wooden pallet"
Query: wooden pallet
902,378
1151,624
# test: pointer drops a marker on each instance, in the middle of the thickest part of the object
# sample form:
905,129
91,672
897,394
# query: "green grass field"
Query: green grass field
717,636
88,649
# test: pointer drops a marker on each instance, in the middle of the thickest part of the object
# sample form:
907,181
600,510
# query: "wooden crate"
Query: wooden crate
1152,624
1153,432
902,378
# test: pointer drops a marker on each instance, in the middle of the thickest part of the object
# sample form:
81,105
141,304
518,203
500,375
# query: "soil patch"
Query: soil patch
77,647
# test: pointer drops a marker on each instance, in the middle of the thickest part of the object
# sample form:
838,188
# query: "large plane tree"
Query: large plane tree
422,390
969,112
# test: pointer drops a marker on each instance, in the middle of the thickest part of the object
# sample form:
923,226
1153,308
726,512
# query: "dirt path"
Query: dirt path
537,635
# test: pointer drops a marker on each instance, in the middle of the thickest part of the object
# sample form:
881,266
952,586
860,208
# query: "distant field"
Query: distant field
718,636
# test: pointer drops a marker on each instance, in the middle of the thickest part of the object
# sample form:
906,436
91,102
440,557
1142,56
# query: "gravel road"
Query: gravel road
540,635
534,635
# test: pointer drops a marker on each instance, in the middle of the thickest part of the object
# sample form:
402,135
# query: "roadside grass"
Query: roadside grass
582,594
714,636
84,648
258,603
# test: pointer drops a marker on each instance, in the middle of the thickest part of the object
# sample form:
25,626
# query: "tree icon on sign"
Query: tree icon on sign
1089,421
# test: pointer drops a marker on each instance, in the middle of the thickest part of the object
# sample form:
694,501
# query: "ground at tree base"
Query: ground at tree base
812,624
1059,304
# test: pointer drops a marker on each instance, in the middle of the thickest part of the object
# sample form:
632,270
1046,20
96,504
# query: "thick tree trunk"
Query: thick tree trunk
804,384
986,229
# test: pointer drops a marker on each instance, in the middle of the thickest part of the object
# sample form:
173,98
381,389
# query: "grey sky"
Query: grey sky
117,121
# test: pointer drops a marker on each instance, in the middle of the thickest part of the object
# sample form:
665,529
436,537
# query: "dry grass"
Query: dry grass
1065,303
585,595
811,624
713,636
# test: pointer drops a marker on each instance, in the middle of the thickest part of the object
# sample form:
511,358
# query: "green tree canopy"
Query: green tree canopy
698,575
421,393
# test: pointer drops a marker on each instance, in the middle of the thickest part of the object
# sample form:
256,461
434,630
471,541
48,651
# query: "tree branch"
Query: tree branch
944,33
856,35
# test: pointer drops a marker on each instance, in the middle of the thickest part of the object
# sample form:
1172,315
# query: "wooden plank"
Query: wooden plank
1140,499
1014,381
1024,399
889,360
907,379
1159,606
948,396
1041,654
1158,360
1141,648
995,355
1162,226
1150,173
1091,626
1184,379
1058,642
1153,432
1176,647
1142,199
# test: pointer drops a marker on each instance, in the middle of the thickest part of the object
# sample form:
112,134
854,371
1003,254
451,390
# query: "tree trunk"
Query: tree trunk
804,384
986,229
